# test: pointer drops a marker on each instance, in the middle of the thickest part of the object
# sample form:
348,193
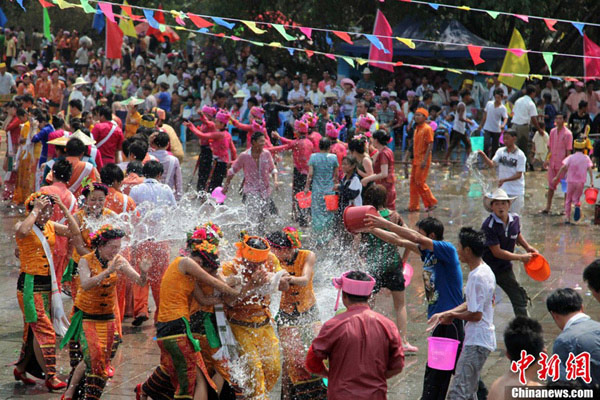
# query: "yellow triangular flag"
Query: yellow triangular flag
513,64
126,24
275,44
407,42
455,71
253,27
62,4
361,61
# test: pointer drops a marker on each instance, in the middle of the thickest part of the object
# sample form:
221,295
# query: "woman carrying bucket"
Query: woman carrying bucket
477,311
383,167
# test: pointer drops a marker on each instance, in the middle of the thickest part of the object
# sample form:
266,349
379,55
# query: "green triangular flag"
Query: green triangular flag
548,57
162,28
493,14
47,33
86,7
348,60
283,33
436,68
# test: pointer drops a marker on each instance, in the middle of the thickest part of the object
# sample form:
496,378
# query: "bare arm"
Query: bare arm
486,159
206,300
382,175
523,243
87,281
514,177
311,171
423,241
307,271
507,255
127,270
190,267
394,239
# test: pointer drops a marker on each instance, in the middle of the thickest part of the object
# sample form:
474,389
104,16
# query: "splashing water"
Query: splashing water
472,166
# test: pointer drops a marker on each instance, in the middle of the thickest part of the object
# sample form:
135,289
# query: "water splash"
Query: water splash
473,167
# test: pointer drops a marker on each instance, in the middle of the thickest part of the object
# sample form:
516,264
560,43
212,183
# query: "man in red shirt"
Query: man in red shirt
363,347
109,137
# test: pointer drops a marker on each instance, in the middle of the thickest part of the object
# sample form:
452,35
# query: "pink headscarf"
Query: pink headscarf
311,119
333,130
364,122
256,127
257,112
350,286
223,117
300,126
209,110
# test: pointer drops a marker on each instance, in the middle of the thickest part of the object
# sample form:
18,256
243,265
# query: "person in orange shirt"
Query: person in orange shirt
61,170
81,170
422,149
134,118
42,85
25,86
57,88
298,317
249,315
134,176
181,365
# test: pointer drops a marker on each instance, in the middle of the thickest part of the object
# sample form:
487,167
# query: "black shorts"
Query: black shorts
393,280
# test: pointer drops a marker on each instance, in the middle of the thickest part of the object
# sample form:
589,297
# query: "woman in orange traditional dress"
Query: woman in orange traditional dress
298,317
93,324
25,160
35,237
181,363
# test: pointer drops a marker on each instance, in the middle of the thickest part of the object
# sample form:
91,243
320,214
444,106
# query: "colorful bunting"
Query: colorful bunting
436,68
130,14
309,53
434,5
329,55
548,58
376,42
328,39
349,60
46,23
279,28
591,66
149,14
464,8
99,22
114,40
199,21
253,27
178,17
86,7
579,26
291,51
126,25
407,42
493,14
475,52
515,64
275,44
223,23
550,24
107,10
522,17
517,52
361,61
378,51
306,31
344,36
45,4
21,4
62,4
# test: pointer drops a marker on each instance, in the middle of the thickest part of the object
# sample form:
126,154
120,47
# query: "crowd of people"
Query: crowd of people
90,140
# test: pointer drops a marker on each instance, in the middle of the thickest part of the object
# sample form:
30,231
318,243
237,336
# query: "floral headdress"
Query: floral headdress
293,236
205,238
98,235
89,186
32,197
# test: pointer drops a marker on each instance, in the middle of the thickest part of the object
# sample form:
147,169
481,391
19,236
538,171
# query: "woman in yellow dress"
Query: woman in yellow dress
93,323
298,317
25,158
181,363
35,237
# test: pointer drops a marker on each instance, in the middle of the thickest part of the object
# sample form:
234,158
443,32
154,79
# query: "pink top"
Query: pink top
578,164
207,126
361,346
340,149
560,145
256,174
110,147
220,144
301,150
249,131
315,137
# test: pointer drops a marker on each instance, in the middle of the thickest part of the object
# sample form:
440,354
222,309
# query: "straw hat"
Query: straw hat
80,81
496,195
347,81
366,71
83,137
330,95
60,141
239,95
132,100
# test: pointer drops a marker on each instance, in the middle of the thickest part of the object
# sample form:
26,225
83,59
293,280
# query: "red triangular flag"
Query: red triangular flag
591,66
114,40
130,14
475,52
159,16
344,36
199,21
309,53
398,64
45,4
550,23
382,28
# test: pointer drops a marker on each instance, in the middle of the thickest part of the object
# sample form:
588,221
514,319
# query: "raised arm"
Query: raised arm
307,271
190,267
423,241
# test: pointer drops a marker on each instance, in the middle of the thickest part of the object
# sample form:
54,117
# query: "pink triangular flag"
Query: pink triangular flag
107,10
329,55
179,21
517,52
522,17
309,53
475,52
306,31
550,23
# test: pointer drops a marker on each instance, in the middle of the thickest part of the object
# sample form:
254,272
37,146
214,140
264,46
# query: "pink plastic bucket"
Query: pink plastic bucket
441,352
218,195
591,195
304,200
408,273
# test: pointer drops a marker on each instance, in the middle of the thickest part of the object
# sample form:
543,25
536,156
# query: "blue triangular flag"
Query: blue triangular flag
556,77
579,27
376,42
203,30
149,14
434,5
98,23
220,21
472,72
328,39
291,51
21,4
3,19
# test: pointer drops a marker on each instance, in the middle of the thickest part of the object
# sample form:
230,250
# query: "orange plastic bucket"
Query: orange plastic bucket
538,268
304,199
591,195
332,202
354,217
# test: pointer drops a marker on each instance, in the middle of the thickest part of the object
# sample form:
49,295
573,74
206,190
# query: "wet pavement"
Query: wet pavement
568,248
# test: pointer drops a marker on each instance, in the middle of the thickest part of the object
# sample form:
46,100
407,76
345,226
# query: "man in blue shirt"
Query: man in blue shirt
164,97
443,282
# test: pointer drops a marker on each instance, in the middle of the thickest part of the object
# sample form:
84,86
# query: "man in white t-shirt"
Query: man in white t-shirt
510,164
168,78
477,311
525,115
493,123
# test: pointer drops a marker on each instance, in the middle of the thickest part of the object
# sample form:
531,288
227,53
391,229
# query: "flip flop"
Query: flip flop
577,214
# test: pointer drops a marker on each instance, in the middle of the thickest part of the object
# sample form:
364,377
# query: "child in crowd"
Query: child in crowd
575,166
540,147
350,187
